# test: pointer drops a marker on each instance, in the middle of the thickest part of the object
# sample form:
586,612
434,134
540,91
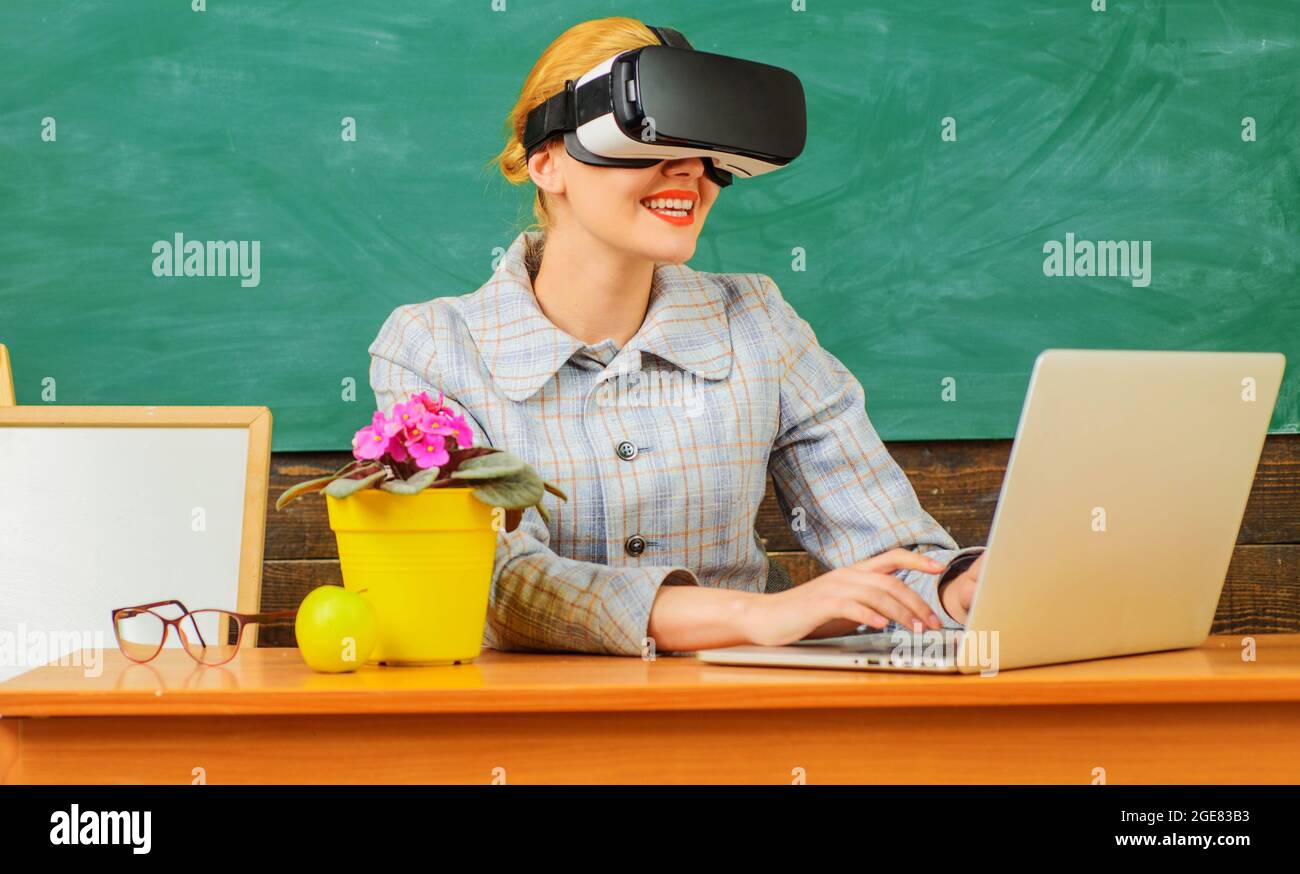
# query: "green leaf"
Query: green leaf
341,488
447,483
293,493
523,489
412,486
351,467
456,456
483,467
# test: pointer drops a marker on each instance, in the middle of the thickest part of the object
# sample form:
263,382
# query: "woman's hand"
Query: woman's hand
864,593
957,594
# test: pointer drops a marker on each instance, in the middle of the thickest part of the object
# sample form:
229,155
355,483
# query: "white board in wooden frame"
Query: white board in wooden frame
222,453
6,379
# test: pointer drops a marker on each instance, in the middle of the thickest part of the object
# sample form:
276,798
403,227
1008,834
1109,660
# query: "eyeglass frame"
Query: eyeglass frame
244,620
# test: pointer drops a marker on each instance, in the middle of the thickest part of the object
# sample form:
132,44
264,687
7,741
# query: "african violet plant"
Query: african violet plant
424,444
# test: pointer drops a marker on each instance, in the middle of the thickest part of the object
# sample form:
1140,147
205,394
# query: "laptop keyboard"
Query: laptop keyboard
880,641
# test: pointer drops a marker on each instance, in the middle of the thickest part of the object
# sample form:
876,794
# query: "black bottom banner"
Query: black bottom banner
188,823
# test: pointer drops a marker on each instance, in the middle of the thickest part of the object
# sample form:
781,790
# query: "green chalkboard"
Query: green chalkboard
949,145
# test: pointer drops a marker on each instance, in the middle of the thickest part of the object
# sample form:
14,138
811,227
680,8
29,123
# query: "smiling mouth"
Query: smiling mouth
675,210
678,206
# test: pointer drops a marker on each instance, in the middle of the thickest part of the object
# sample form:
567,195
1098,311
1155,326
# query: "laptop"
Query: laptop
1123,496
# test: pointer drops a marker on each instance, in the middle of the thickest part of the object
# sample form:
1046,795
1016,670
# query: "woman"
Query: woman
660,397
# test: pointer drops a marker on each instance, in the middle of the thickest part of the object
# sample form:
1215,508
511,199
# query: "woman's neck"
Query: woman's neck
590,291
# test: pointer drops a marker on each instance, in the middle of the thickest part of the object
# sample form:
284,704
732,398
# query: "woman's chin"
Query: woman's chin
678,254
675,245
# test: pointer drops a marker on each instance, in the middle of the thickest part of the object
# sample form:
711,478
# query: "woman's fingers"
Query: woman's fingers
891,596
881,567
898,559
861,614
965,591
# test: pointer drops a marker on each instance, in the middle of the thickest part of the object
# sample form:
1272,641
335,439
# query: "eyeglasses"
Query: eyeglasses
211,637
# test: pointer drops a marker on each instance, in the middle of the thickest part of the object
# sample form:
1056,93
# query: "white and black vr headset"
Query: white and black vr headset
663,102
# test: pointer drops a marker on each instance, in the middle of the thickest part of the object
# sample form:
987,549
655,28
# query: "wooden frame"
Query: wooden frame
257,420
6,379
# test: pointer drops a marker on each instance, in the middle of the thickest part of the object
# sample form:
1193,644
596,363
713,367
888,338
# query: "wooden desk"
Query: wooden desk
1194,716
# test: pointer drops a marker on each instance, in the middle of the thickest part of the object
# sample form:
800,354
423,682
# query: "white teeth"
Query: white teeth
669,203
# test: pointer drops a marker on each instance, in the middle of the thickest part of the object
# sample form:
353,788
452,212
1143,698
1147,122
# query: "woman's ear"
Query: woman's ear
546,168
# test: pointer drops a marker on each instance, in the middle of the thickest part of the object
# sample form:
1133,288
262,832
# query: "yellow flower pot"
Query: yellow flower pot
424,562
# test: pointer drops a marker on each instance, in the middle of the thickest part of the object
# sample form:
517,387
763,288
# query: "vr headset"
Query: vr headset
658,103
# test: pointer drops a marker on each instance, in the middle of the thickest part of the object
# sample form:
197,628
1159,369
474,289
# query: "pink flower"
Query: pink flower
416,429
431,405
464,436
397,450
417,422
429,451
367,444
409,415
450,422
375,439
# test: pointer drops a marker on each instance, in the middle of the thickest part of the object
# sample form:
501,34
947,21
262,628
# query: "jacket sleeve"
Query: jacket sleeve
844,495
539,600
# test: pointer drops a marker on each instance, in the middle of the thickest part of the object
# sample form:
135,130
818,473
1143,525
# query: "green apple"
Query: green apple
336,629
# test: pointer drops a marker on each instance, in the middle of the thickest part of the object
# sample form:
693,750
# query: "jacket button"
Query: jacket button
626,450
635,545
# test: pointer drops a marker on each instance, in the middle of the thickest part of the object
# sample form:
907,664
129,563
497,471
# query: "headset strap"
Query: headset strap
670,37
554,116
566,110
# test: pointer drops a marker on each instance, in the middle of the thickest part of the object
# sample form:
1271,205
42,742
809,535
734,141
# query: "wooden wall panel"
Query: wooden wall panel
958,482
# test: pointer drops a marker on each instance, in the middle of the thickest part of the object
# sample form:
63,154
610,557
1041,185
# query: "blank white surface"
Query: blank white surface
96,518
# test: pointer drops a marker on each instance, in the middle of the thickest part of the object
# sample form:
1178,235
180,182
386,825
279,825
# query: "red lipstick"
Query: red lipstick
675,214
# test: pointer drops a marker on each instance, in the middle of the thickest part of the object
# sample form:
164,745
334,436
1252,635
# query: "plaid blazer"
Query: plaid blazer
663,447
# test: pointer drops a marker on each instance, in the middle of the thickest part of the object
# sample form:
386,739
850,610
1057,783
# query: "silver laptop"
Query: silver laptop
1121,504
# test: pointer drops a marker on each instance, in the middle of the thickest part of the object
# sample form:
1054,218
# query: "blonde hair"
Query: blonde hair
569,55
